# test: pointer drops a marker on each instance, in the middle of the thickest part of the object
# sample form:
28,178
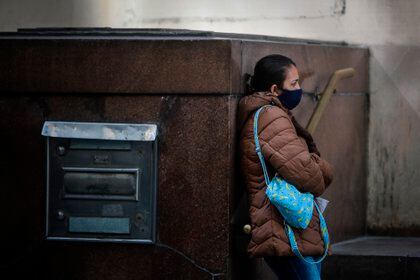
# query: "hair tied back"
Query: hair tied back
248,83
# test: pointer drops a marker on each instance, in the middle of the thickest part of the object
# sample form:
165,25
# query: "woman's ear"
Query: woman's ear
273,89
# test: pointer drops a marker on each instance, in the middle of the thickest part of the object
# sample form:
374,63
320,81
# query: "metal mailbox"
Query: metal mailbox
101,181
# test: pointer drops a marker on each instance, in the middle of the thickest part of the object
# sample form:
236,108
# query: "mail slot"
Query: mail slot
101,181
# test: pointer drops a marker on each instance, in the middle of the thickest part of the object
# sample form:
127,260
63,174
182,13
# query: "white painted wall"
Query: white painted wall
355,21
389,27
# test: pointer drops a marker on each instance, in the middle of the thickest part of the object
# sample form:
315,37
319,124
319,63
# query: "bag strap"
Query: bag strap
325,237
257,144
288,229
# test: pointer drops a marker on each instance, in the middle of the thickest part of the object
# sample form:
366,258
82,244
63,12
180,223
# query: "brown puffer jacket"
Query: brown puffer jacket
286,153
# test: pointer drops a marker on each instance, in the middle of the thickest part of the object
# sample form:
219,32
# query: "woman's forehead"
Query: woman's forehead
292,73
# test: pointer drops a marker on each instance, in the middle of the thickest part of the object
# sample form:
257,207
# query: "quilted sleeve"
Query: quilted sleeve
287,153
327,171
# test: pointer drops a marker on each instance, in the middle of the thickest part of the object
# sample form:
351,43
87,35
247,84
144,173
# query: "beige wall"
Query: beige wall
388,27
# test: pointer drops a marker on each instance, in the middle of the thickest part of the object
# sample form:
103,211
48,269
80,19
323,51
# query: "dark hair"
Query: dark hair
269,70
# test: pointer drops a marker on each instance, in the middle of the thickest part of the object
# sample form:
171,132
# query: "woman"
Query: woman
288,150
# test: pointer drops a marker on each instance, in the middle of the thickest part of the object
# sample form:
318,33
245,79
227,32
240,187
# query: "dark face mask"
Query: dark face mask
290,98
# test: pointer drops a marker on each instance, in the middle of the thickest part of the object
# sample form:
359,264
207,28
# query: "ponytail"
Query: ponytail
248,84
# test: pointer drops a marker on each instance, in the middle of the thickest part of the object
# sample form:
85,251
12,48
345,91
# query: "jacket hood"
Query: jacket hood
250,103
